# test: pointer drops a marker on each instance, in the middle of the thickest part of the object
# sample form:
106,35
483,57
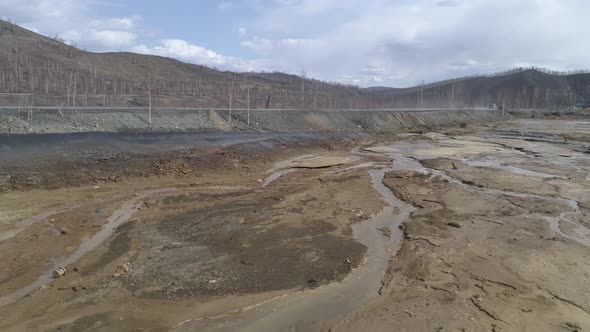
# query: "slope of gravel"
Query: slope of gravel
383,122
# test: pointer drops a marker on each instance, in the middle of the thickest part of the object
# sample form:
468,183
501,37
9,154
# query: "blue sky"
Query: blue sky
208,23
363,42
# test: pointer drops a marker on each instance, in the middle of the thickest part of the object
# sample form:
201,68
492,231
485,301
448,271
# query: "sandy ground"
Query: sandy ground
494,223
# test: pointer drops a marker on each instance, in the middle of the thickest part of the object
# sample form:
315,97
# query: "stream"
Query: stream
329,301
120,216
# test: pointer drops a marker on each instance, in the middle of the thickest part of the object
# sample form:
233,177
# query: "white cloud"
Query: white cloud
258,44
264,45
118,23
225,5
185,51
113,38
363,42
71,36
74,21
411,41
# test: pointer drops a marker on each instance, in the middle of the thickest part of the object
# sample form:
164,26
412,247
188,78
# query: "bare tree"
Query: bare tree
75,87
69,88
248,105
231,89
421,95
303,89
150,98
59,109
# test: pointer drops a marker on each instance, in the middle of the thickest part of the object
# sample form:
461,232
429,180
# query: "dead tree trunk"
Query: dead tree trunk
150,98
231,89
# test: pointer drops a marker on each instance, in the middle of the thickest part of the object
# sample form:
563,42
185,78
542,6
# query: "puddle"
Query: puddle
120,216
314,161
370,164
365,165
226,188
508,168
580,234
274,176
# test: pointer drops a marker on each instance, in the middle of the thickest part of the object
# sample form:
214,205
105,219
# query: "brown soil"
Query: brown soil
108,165
191,246
475,260
487,248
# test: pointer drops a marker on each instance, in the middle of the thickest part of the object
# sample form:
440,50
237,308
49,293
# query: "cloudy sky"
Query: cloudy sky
363,42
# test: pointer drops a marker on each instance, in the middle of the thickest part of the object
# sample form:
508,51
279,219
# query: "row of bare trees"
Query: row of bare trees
56,84
75,86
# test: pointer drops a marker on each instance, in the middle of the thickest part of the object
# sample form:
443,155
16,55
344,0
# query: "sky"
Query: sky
394,43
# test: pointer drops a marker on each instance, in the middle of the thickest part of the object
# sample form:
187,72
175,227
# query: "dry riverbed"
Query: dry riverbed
478,229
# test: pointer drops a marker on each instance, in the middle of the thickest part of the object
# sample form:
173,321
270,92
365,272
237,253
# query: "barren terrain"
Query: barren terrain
483,228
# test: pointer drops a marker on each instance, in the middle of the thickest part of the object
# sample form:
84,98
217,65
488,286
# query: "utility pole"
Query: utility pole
573,98
303,93
303,90
150,97
75,87
421,96
248,105
315,96
231,89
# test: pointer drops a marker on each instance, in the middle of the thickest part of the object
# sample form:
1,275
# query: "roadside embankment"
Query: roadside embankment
47,120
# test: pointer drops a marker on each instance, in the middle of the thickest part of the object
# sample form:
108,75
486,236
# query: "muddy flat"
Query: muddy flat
475,229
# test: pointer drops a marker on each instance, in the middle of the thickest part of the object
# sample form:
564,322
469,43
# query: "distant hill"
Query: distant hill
41,71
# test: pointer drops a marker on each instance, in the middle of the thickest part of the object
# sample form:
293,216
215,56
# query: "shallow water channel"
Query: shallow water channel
329,301
120,216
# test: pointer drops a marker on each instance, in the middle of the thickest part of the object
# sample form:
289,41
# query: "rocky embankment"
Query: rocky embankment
40,121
